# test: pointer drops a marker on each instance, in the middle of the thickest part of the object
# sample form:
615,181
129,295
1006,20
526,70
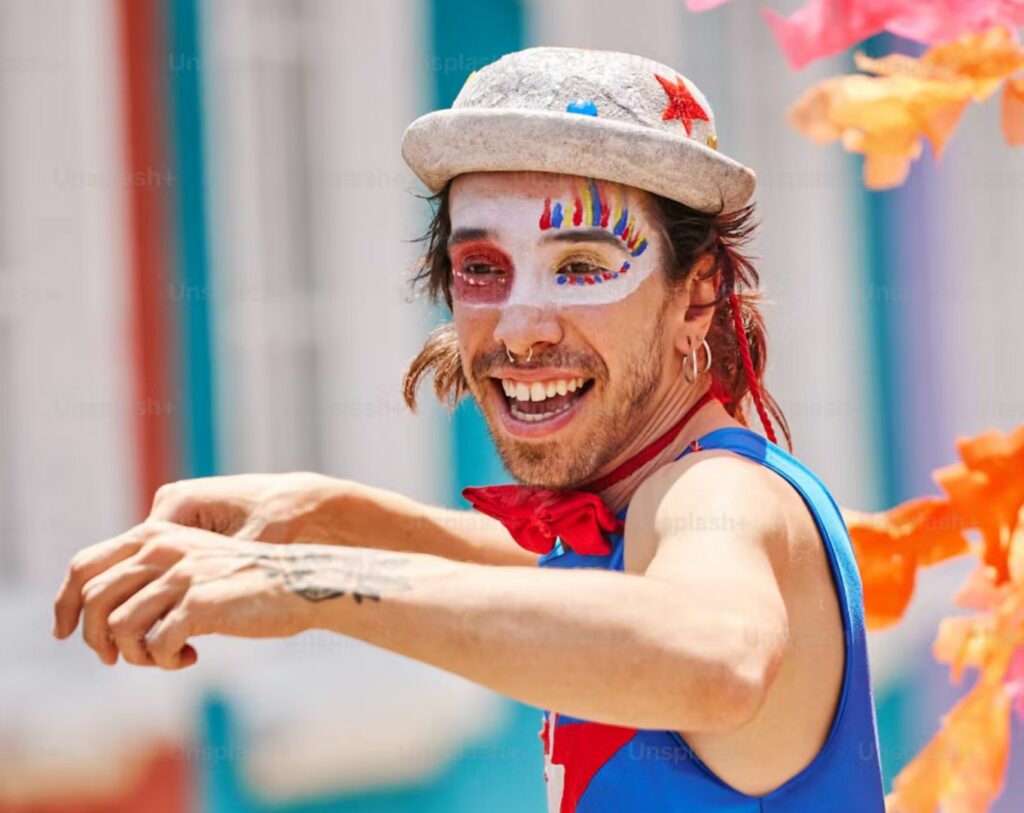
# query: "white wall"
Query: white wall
307,104
68,415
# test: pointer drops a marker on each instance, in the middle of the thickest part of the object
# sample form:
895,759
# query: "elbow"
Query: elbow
742,692
735,685
750,673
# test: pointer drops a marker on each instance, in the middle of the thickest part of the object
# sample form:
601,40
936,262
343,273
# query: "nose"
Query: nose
523,327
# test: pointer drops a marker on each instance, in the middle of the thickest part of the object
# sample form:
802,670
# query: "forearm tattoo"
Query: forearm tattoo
332,574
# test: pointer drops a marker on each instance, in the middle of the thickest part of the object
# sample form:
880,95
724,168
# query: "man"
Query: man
695,630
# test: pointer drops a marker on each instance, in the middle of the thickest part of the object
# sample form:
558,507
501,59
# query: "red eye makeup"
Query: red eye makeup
481,273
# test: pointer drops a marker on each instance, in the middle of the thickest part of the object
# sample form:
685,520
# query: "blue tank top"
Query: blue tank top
596,768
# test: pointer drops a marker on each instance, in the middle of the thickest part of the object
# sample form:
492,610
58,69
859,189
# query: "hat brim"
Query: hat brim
445,143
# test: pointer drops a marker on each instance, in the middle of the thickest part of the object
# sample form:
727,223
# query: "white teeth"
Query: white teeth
540,390
543,416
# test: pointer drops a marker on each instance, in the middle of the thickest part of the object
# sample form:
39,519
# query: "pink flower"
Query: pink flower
822,28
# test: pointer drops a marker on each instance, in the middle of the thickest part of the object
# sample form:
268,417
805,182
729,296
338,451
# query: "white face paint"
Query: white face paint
589,247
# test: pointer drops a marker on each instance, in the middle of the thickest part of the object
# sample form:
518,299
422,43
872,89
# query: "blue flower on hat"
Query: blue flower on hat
585,107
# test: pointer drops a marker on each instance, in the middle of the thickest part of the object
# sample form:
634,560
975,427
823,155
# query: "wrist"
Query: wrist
293,510
328,510
353,514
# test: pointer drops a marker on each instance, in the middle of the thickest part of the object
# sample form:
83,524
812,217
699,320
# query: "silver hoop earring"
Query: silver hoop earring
691,377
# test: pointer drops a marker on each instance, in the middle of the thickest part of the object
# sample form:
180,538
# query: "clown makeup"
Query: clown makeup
586,246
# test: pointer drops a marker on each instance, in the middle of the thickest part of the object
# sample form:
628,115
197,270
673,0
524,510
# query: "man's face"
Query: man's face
567,274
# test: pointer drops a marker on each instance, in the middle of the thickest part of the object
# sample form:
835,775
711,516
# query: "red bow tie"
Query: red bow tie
536,517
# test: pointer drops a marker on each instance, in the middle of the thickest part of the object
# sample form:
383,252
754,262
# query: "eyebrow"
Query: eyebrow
466,234
584,236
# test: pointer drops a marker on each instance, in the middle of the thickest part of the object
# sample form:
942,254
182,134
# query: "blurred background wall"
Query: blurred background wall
205,237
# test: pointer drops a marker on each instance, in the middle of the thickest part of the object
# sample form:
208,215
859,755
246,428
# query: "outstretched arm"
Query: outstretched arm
311,507
664,649
356,515
617,648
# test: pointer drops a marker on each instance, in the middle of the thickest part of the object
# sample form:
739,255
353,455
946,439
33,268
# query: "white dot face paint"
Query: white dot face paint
587,247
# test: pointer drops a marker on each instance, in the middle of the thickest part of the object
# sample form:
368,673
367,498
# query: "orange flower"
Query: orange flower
983,61
963,766
987,488
890,545
1016,557
1013,112
886,115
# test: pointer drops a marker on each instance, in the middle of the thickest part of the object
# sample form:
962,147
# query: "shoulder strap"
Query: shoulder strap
731,438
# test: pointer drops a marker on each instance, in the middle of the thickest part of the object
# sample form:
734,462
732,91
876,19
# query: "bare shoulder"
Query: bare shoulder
720,494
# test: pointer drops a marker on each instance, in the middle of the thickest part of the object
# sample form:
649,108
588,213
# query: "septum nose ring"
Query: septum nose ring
512,357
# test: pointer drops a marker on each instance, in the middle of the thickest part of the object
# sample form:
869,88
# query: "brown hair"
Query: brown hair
736,336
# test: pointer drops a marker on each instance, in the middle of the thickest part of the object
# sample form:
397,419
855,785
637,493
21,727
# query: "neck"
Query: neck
670,409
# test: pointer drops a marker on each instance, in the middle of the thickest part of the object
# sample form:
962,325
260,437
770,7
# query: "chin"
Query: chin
547,447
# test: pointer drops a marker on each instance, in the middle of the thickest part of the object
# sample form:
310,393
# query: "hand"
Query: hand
265,507
145,592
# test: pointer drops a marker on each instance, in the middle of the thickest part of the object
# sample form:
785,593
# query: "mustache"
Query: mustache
489,360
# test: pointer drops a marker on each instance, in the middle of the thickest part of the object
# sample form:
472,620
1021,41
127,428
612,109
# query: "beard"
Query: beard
613,414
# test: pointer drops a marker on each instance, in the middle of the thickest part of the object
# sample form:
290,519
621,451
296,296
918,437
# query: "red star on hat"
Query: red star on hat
681,104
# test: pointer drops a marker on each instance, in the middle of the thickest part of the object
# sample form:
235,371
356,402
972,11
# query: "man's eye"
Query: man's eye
579,268
481,269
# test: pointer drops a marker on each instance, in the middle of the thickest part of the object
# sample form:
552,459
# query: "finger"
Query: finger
130,622
102,594
167,642
85,565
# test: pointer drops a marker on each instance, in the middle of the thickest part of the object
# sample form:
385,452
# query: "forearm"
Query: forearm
355,515
610,647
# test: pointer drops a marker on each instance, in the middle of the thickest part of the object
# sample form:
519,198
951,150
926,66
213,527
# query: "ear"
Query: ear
693,306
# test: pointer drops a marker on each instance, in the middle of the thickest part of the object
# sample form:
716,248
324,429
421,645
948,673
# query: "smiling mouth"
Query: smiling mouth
538,401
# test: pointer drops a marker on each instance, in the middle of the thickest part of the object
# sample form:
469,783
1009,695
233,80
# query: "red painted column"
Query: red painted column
144,63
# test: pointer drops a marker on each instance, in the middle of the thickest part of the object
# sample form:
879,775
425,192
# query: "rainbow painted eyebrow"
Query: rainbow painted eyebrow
590,207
